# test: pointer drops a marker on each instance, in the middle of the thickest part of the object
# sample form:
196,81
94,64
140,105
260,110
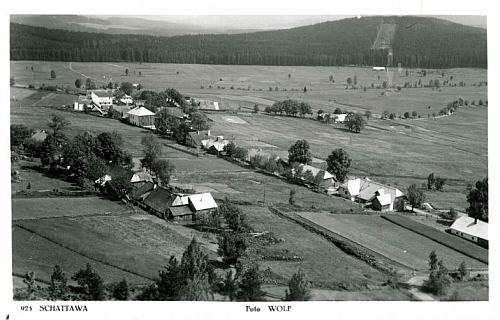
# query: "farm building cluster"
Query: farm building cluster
160,201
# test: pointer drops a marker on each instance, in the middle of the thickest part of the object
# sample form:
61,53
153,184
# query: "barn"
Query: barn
471,229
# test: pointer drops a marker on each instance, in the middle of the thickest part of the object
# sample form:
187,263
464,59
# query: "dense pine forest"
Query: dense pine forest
418,43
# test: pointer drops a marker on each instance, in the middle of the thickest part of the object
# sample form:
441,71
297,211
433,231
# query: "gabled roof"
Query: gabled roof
199,136
103,93
114,170
141,176
468,225
202,201
368,189
352,186
160,199
316,171
140,111
141,193
180,211
180,200
384,199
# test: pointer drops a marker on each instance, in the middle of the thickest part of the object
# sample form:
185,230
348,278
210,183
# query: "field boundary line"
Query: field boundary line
104,214
84,255
440,242
346,245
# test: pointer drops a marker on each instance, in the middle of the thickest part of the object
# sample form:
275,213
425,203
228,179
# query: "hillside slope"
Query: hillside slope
418,42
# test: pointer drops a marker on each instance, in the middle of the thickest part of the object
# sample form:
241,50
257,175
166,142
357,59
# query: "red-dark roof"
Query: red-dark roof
160,199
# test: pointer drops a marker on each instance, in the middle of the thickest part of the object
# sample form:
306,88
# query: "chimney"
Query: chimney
475,220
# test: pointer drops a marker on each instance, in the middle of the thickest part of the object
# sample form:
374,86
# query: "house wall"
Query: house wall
464,235
146,121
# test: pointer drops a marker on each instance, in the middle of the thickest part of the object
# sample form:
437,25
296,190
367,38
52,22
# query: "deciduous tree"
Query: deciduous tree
478,200
339,163
299,152
232,246
415,196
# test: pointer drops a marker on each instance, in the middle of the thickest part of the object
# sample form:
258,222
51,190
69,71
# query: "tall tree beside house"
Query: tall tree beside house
415,196
163,169
89,84
298,288
151,147
127,88
339,163
478,200
53,74
58,123
199,121
355,122
299,152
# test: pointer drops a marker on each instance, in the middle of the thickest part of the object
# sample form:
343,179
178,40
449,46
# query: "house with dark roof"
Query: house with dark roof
140,194
180,213
159,201
136,178
199,139
322,178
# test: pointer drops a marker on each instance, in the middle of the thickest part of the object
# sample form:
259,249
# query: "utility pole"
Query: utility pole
264,194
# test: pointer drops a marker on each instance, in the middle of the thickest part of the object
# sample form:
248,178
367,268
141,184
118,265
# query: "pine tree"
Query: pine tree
121,291
433,260
249,285
298,288
58,288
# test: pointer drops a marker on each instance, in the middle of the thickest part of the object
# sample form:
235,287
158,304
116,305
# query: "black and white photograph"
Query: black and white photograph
248,164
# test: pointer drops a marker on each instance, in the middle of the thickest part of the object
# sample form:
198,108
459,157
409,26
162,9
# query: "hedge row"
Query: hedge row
453,242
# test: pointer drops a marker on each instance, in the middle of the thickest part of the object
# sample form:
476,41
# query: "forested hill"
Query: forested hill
418,42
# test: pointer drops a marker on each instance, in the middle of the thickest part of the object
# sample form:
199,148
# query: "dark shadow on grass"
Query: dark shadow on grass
444,222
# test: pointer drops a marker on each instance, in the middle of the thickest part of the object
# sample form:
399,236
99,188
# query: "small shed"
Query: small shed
180,213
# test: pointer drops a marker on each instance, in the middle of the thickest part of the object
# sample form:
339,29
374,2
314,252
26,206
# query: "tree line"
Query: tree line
434,44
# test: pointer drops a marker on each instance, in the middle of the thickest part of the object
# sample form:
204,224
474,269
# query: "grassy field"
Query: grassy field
31,252
35,208
255,187
31,174
100,244
323,262
390,240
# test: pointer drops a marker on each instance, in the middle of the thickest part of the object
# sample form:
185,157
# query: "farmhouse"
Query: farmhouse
364,190
216,146
471,229
101,99
159,201
126,99
202,202
199,139
141,117
322,178
137,178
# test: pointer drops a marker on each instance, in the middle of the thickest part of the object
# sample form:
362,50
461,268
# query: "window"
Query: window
472,238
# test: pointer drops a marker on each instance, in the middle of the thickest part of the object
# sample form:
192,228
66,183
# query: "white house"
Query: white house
470,229
339,118
141,117
126,99
364,190
350,189
202,202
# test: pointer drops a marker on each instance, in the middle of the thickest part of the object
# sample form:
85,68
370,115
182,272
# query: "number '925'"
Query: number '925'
25,308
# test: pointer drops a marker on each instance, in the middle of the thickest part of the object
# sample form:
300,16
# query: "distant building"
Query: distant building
471,229
126,99
339,118
322,178
39,135
378,68
200,138
141,117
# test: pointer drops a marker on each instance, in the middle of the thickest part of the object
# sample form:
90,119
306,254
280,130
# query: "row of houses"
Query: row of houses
155,199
